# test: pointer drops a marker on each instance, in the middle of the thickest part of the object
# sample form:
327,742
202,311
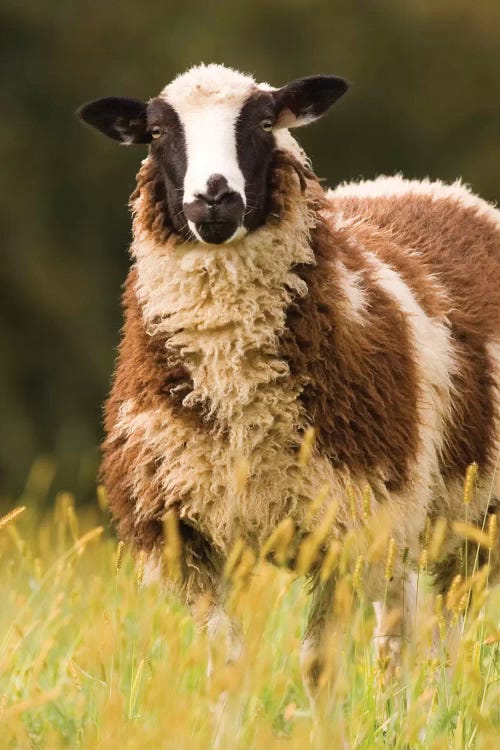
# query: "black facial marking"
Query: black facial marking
168,152
218,213
117,117
255,146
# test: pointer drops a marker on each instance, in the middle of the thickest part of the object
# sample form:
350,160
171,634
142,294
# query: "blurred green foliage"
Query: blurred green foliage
425,101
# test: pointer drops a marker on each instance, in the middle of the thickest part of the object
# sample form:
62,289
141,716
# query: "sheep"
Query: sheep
259,305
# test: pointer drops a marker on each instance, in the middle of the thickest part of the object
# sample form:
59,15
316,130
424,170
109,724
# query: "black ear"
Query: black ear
306,99
119,118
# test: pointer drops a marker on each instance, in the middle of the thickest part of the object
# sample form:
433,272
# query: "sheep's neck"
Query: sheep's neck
222,310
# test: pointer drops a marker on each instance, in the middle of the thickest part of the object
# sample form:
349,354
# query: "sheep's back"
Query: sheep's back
450,235
455,234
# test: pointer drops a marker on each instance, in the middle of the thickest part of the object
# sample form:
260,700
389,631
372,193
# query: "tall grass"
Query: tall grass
90,657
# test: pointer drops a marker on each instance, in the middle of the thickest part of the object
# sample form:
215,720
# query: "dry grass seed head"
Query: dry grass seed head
140,568
74,674
331,560
244,569
452,597
279,542
367,503
172,549
311,549
440,617
470,483
9,517
102,498
351,496
492,531
233,558
437,539
471,533
389,564
357,578
422,563
90,536
119,556
306,447
318,501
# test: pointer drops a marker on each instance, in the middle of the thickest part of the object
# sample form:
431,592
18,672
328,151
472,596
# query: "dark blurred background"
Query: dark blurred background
425,101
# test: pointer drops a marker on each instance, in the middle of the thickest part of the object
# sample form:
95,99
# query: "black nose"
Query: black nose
217,192
217,213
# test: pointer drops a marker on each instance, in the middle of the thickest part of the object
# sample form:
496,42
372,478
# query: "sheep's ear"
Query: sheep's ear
306,99
117,117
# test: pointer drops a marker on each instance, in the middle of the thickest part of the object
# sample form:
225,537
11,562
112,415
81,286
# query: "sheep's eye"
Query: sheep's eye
156,131
267,125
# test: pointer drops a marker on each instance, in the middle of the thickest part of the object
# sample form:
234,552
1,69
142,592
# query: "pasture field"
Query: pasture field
92,658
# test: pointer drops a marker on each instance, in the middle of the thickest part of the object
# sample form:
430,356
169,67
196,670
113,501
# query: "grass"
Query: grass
92,658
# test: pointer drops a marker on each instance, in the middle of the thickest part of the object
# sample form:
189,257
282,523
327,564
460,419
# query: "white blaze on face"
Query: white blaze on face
210,135
208,100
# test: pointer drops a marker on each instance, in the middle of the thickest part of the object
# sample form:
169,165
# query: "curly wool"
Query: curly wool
344,312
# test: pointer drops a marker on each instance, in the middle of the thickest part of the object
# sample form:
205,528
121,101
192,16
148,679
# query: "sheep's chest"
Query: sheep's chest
240,480
222,311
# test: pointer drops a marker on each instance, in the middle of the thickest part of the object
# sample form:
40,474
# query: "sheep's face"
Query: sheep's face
212,133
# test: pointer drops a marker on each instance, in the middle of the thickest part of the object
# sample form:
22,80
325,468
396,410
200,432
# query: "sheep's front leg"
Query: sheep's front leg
225,639
202,586
205,595
395,616
225,646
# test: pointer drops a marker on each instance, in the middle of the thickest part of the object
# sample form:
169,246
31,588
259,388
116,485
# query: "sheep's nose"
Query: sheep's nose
216,213
217,191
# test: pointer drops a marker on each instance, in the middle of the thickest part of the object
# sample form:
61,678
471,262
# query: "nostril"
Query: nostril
222,196
217,198
217,191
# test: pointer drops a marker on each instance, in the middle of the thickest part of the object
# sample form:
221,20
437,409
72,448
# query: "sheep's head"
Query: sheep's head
212,132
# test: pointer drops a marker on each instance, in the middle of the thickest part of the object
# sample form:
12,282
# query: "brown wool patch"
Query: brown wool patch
461,250
153,217
470,434
148,376
360,382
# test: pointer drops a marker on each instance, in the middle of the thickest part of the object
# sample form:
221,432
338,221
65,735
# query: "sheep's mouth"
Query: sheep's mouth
216,232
